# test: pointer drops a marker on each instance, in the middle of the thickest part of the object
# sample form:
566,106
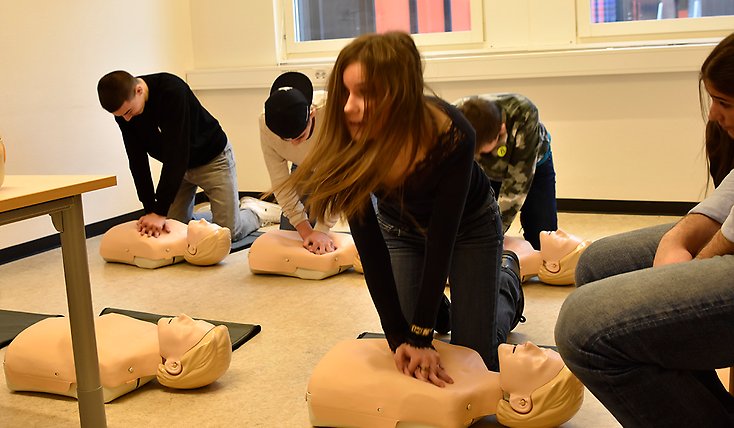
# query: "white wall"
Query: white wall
625,123
53,53
615,136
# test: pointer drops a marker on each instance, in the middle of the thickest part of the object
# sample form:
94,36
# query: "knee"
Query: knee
573,330
587,268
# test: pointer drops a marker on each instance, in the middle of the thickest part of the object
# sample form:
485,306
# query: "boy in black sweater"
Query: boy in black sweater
160,116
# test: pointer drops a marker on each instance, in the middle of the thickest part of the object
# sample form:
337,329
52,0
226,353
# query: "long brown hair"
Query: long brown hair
339,173
718,71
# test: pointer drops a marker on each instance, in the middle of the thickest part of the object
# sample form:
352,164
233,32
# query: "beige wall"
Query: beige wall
53,53
615,136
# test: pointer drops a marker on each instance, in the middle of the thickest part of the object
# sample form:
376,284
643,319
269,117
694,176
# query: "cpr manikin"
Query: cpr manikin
180,352
357,384
281,252
556,261
200,243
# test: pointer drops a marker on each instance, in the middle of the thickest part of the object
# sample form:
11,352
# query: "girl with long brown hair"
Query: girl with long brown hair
438,219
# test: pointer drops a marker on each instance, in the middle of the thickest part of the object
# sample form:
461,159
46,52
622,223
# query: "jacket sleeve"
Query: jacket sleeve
378,274
521,165
719,206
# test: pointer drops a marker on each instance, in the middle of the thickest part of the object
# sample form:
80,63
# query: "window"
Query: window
599,18
324,26
642,10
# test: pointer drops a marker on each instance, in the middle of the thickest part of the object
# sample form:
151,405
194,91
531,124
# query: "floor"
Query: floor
266,382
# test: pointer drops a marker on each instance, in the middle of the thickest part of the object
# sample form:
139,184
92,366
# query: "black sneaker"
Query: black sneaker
511,263
443,319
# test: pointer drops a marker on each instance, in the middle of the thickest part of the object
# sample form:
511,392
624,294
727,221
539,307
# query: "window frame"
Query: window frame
292,51
677,28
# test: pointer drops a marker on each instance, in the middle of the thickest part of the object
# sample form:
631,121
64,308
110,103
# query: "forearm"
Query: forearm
717,246
686,239
304,229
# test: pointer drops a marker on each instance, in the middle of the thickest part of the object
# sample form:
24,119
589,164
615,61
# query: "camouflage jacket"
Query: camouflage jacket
528,142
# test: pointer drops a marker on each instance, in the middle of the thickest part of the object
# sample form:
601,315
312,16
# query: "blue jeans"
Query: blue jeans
539,211
645,341
218,180
483,297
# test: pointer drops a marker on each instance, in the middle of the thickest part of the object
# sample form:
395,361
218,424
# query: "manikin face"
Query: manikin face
520,358
134,106
200,230
722,109
557,239
354,108
177,335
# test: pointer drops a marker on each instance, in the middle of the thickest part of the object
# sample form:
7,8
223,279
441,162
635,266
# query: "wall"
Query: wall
53,54
629,133
626,123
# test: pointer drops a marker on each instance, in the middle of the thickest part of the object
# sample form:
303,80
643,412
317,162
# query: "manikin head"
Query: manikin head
539,390
560,252
555,245
207,243
195,353
122,94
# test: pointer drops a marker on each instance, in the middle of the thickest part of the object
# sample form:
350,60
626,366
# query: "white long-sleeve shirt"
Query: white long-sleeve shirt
277,153
719,206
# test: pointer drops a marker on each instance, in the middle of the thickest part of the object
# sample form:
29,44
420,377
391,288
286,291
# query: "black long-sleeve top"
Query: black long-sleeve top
444,186
175,129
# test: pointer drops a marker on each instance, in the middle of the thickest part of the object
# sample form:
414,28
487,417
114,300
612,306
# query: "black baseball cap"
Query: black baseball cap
288,108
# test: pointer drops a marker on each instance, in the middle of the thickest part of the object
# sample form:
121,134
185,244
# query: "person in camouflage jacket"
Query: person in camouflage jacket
513,148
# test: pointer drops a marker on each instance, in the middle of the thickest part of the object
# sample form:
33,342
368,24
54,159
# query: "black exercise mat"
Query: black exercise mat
13,322
238,333
368,335
245,242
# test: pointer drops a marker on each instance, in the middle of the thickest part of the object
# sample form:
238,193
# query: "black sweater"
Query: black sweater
175,129
445,186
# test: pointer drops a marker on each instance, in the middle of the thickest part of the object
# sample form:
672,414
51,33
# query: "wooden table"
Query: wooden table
27,196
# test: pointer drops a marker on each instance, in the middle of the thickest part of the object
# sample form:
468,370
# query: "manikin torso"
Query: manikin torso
199,243
356,384
281,252
40,358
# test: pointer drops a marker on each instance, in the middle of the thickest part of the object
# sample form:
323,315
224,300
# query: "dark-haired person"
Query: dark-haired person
514,149
653,316
159,116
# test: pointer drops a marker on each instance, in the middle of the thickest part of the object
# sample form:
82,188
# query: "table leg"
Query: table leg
70,223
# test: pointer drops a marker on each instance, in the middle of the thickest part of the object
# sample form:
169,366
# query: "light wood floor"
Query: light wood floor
266,383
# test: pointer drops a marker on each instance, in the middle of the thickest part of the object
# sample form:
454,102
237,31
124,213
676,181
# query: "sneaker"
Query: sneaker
443,319
268,212
511,263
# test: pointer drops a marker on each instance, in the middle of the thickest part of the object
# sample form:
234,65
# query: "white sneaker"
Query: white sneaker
268,212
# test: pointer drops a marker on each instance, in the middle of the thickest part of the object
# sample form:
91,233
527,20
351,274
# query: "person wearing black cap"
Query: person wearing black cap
160,116
287,127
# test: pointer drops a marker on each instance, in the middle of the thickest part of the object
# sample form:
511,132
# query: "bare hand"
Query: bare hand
319,243
421,363
153,225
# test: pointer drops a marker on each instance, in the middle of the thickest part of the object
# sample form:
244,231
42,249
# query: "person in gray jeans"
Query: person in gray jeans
654,315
